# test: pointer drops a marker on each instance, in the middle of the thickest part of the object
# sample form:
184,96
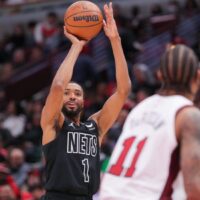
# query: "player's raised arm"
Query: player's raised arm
190,150
51,114
108,114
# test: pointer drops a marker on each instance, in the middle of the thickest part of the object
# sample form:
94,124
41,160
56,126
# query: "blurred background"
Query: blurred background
32,46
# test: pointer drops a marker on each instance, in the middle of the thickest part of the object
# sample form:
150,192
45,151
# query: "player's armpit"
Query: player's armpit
190,151
50,130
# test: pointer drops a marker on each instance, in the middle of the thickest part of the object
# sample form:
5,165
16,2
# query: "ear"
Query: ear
159,75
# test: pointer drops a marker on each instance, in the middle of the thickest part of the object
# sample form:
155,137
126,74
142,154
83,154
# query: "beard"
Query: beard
72,113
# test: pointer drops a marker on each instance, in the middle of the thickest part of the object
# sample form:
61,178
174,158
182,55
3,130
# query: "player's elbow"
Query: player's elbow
126,89
58,86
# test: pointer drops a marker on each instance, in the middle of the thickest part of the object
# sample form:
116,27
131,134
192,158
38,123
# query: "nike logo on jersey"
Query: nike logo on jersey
89,125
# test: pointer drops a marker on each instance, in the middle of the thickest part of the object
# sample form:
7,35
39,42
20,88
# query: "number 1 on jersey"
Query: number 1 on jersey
117,168
85,164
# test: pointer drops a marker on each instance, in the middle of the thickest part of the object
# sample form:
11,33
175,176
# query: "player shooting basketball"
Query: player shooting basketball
71,147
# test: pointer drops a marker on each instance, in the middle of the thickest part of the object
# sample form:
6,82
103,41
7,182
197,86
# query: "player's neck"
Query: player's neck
75,119
166,92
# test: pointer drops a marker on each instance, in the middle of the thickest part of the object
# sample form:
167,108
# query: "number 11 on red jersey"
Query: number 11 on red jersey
117,168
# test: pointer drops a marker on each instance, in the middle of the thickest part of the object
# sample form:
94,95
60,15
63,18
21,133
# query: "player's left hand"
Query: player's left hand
109,25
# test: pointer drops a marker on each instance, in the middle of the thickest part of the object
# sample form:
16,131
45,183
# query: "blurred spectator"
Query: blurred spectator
191,7
30,37
36,54
116,129
7,180
129,43
34,178
156,9
37,107
142,93
46,32
4,173
3,100
101,94
5,137
17,39
178,40
137,21
6,72
19,169
14,121
3,151
120,18
63,42
37,191
173,7
127,37
33,135
6,193
32,107
94,102
84,71
34,132
19,58
4,55
142,76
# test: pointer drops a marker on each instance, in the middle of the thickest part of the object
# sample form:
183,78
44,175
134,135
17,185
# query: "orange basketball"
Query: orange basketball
83,19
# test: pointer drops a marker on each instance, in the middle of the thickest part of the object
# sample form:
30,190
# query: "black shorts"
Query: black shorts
63,196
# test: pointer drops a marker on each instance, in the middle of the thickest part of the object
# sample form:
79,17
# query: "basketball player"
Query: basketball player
71,147
160,143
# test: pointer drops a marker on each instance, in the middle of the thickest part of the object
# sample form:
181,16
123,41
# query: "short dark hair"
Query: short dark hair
178,67
74,82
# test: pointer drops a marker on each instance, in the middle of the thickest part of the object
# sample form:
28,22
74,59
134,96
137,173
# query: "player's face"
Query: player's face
73,100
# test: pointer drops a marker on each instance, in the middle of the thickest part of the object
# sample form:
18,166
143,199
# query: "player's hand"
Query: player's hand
109,25
74,40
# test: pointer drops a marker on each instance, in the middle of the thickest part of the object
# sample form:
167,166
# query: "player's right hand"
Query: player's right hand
74,40
109,25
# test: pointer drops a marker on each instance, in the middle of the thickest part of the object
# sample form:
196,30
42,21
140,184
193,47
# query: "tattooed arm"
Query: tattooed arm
188,122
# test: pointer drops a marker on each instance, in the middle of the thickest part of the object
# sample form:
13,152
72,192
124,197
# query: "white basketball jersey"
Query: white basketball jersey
145,162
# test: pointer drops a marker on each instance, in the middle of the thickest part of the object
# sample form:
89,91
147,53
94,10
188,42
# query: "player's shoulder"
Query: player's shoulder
188,118
189,113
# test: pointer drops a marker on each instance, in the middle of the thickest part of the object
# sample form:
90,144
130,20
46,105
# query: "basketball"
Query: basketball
83,19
